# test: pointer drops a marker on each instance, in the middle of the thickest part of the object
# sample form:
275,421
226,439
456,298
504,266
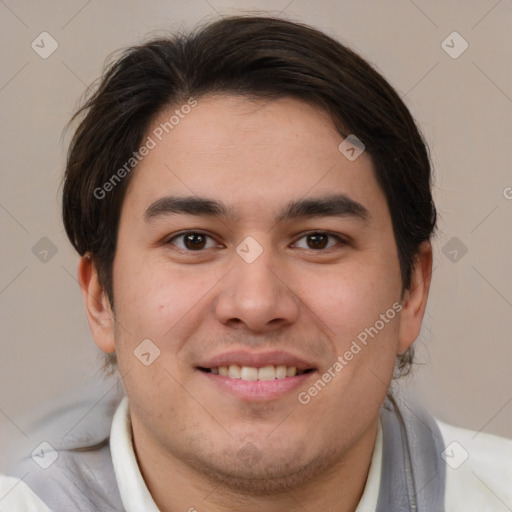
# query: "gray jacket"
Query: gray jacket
83,479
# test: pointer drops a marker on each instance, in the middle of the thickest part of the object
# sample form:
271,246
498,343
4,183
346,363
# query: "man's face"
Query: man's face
258,284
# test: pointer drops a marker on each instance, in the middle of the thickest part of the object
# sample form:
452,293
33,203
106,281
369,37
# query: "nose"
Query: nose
257,295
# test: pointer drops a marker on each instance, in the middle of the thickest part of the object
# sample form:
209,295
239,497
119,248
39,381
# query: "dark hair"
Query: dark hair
258,57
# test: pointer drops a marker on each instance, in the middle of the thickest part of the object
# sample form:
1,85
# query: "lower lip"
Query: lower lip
258,390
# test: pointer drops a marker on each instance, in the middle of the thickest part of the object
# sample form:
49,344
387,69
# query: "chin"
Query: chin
262,474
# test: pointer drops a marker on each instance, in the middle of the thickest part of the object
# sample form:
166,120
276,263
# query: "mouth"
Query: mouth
251,373
256,376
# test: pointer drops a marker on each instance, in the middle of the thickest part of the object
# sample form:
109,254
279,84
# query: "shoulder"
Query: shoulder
478,470
80,479
15,494
73,471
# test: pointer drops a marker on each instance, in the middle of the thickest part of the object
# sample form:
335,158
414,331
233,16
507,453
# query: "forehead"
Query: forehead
249,153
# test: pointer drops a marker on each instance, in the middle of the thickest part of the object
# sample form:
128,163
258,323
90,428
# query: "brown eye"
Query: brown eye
192,241
318,241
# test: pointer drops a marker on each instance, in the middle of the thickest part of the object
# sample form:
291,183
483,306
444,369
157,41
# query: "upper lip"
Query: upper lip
257,360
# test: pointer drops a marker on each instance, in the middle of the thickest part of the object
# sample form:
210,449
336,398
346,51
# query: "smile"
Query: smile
269,372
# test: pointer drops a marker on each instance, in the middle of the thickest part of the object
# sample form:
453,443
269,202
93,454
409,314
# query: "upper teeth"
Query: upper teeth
269,372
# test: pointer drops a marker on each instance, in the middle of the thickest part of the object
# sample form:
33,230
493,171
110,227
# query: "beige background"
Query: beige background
463,105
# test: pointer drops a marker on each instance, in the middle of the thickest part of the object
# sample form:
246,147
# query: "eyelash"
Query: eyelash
340,240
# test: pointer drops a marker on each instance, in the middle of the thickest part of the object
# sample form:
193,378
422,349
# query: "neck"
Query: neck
176,486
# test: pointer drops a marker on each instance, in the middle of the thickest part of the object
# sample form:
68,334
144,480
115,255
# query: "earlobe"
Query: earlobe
99,312
415,298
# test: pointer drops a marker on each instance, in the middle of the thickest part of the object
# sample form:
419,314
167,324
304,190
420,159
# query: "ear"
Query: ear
415,298
99,313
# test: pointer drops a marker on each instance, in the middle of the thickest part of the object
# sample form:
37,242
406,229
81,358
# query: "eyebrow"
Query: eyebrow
192,205
338,205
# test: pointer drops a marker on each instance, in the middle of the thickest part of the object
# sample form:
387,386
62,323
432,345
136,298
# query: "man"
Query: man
252,207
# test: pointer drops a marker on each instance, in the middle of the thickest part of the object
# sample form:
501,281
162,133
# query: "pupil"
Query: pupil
194,241
317,241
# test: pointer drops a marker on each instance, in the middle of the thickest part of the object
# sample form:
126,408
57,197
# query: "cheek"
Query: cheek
155,301
350,298
357,306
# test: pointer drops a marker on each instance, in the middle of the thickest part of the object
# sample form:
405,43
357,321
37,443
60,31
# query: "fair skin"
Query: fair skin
305,297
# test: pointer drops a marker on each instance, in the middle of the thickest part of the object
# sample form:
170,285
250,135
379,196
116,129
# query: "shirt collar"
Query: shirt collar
368,502
132,488
136,496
